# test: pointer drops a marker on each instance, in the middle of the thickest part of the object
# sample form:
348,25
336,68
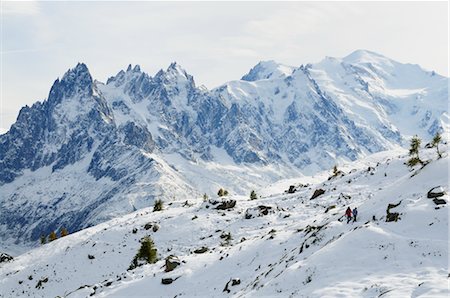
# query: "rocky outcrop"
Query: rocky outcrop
258,211
317,192
201,250
392,216
172,262
226,204
5,258
435,192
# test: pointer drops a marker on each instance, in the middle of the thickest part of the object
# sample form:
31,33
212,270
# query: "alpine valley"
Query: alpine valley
93,157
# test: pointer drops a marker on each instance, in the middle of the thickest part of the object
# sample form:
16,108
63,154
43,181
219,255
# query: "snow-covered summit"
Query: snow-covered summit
268,70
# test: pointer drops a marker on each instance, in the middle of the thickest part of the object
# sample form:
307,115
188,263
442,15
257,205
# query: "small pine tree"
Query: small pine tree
435,143
335,170
43,239
253,195
205,197
414,152
159,205
147,253
225,192
52,236
220,193
63,232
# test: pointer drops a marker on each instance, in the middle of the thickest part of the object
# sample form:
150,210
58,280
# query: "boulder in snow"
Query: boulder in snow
394,216
234,282
259,211
291,189
439,201
201,250
167,281
5,258
435,192
227,204
172,262
317,192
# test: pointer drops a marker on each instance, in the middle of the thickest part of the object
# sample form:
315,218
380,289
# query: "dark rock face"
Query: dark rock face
317,192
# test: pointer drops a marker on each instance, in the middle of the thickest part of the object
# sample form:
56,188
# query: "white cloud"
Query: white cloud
19,8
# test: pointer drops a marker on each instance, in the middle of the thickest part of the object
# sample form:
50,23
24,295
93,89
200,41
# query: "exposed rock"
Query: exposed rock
317,192
150,225
439,201
41,282
134,230
167,281
91,257
227,204
201,250
172,262
329,208
344,197
390,217
291,189
5,258
234,282
435,192
155,228
259,211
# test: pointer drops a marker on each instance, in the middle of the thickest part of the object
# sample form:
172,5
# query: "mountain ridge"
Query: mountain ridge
137,137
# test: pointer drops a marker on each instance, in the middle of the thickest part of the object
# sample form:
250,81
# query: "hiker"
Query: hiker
348,213
355,212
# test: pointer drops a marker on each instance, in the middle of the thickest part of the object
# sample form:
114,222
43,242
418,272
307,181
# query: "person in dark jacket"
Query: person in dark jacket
348,213
355,213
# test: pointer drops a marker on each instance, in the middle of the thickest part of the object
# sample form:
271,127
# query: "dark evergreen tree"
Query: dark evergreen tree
159,205
52,236
64,232
147,253
435,143
335,170
414,152
43,239
253,195
222,192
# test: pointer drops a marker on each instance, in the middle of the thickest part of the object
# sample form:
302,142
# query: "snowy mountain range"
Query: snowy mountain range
277,245
94,151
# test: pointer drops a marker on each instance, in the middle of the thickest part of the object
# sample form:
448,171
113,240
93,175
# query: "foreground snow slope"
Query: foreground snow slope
297,249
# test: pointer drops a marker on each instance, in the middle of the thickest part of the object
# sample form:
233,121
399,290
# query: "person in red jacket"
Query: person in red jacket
348,213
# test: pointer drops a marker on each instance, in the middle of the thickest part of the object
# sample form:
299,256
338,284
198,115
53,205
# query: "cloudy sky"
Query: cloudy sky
214,41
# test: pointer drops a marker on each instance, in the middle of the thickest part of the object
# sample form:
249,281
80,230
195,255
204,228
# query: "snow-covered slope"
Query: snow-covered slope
94,150
302,247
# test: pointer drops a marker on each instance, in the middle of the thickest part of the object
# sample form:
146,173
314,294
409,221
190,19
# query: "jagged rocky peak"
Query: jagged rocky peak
123,76
76,81
268,70
174,74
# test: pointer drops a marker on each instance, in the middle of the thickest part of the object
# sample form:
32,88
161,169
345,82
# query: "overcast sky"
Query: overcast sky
214,41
